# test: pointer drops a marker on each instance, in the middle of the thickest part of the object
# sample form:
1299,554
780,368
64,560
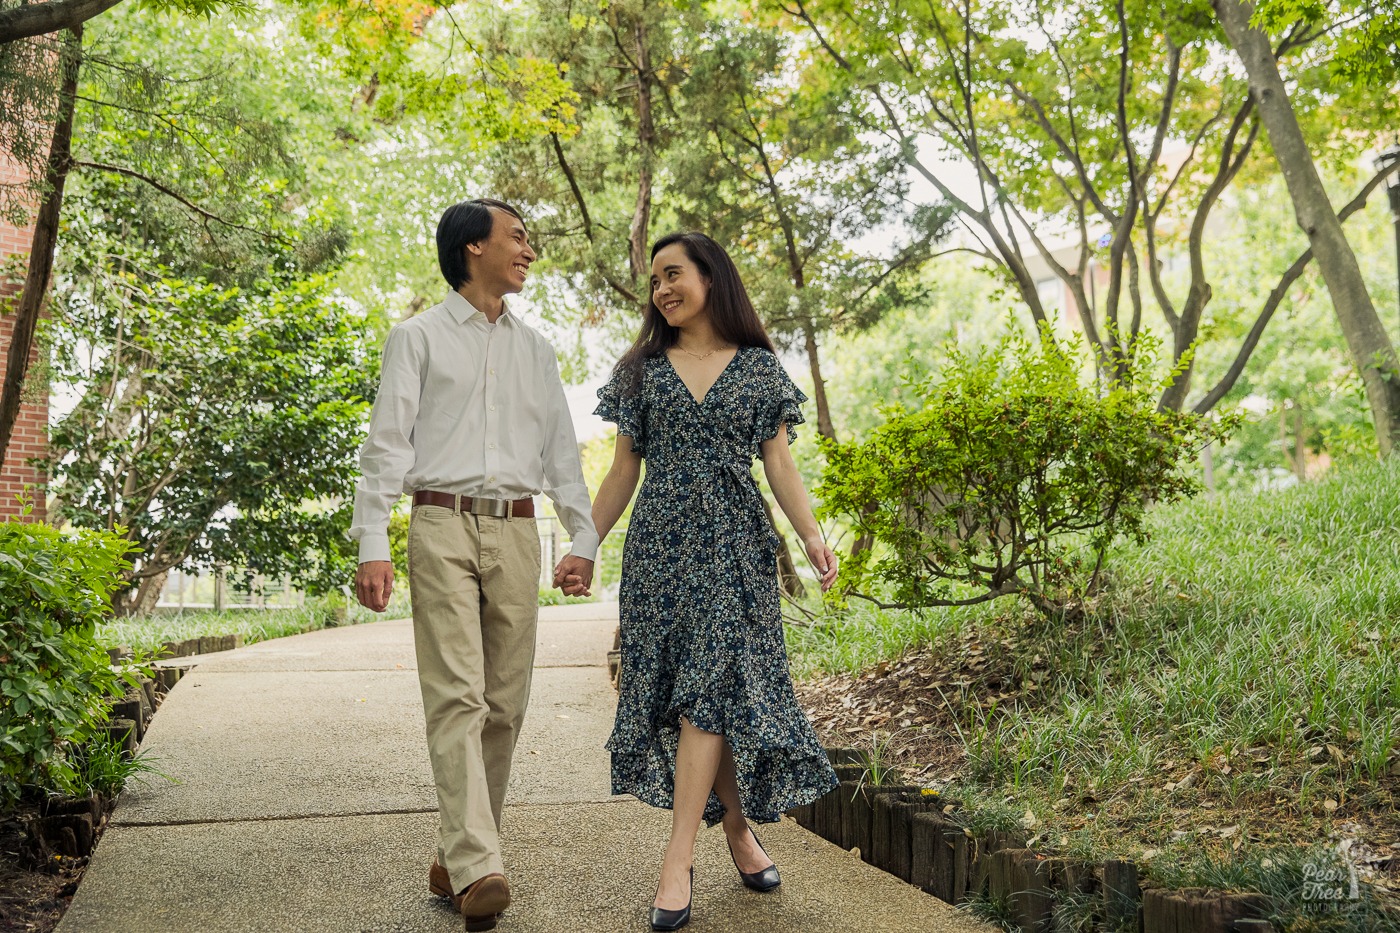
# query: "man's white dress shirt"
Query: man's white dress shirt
473,408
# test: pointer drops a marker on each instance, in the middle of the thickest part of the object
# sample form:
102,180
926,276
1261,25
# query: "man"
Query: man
471,421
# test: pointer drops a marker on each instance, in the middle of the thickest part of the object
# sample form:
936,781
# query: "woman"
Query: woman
707,721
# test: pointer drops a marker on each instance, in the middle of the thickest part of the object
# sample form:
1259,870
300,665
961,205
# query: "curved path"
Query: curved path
303,801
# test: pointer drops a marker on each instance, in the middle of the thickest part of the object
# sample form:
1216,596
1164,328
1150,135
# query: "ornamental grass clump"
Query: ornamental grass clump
1014,476
56,681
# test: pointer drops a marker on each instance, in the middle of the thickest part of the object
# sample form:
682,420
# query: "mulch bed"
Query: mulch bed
34,893
916,700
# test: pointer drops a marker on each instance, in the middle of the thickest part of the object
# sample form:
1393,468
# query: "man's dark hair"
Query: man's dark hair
463,223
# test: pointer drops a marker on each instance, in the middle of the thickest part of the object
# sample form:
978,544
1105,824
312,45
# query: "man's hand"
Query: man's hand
574,576
374,582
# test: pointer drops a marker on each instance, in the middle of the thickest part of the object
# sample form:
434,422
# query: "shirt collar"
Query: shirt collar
463,310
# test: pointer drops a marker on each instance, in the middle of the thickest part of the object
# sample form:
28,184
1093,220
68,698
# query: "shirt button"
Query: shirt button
491,479
493,372
492,446
493,407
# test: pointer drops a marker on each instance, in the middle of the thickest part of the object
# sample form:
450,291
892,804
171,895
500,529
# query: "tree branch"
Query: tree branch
175,195
37,19
1277,294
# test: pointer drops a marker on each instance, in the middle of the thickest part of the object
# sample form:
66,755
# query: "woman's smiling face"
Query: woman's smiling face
678,288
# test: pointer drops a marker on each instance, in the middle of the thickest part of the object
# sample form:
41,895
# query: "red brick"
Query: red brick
30,437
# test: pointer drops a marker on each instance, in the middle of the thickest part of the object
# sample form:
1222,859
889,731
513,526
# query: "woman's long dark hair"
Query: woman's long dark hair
728,305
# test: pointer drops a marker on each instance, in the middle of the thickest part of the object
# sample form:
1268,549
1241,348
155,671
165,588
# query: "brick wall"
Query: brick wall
31,434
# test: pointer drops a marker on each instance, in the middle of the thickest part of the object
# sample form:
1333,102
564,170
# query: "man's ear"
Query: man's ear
475,248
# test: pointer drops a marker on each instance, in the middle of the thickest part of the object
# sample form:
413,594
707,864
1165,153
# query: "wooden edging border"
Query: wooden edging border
208,644
912,835
70,826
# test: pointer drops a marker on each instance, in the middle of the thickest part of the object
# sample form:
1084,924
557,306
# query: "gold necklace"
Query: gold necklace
700,356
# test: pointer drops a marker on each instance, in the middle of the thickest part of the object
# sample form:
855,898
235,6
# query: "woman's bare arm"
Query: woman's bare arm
618,486
787,487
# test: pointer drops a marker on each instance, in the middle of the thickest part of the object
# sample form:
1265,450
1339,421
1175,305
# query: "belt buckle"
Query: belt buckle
496,508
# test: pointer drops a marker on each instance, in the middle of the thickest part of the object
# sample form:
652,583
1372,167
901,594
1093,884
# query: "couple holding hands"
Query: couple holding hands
471,421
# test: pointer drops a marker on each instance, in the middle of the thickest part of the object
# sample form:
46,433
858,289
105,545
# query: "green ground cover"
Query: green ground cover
147,633
1235,688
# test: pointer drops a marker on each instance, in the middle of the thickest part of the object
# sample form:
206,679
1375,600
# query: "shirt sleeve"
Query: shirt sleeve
563,471
387,454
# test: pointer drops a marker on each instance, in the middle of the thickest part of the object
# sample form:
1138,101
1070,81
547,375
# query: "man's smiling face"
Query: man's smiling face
502,260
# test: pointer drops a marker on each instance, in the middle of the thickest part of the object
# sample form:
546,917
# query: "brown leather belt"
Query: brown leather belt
500,508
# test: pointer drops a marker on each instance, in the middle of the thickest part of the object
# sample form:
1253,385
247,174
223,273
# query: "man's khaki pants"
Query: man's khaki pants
474,583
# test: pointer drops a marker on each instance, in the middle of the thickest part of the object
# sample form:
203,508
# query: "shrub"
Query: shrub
55,679
1013,477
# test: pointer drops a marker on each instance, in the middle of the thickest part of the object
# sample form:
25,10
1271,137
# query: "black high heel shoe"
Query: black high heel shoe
674,919
765,880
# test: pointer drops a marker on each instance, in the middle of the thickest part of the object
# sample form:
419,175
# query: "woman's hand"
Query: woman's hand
823,559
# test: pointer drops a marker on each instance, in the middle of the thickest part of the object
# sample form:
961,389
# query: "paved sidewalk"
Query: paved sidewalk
304,802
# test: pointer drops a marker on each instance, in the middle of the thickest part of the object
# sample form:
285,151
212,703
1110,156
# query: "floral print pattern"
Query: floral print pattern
702,634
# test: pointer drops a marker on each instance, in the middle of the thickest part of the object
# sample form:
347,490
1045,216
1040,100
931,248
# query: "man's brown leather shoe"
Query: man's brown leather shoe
480,903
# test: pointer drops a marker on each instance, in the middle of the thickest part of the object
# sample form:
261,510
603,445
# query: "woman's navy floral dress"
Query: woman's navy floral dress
702,634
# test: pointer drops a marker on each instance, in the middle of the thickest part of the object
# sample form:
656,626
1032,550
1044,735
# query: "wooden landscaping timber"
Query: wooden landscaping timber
846,793
1197,910
1032,897
1001,879
844,756
925,839
988,845
122,732
826,811
148,708
129,708
903,810
1075,875
69,834
956,839
881,824
946,857
1122,896
805,815
90,804
821,814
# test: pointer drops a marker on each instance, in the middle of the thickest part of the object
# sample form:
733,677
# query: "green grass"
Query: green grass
147,633
1254,640
1259,620
102,766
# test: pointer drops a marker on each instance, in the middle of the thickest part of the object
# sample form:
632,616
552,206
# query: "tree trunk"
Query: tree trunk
1300,444
41,249
141,599
646,139
1366,338
824,424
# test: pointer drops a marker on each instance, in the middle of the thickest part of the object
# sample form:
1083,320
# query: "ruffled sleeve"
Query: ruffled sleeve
779,402
627,411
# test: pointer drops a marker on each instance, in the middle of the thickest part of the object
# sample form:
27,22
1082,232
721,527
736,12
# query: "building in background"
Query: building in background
18,477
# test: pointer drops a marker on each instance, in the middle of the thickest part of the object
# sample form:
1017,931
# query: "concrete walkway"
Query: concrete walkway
303,801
